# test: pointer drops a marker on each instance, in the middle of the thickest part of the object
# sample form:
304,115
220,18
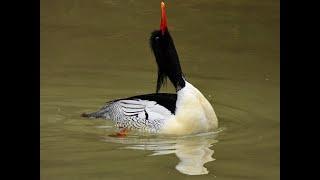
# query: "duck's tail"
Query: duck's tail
98,114
87,115
102,113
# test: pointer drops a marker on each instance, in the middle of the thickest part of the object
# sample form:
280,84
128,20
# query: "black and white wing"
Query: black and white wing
144,112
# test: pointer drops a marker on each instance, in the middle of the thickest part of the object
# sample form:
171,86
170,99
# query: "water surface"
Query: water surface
96,51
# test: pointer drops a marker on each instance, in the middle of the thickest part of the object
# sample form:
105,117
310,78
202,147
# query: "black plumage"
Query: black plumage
166,100
167,60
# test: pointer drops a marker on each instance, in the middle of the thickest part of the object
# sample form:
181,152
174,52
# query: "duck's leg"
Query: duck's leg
122,133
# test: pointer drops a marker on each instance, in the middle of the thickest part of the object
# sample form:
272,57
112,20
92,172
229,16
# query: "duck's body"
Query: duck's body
186,112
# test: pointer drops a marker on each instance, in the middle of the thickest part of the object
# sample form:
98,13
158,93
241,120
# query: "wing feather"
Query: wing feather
144,109
145,112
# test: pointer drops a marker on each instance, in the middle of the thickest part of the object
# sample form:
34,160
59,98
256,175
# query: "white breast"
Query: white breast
194,114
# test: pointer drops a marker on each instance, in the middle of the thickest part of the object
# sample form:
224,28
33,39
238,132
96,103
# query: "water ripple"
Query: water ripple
193,151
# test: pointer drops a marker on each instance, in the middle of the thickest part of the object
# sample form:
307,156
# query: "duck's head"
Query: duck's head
166,55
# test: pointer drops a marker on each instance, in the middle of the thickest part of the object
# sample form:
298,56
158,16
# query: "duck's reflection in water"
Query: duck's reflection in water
193,151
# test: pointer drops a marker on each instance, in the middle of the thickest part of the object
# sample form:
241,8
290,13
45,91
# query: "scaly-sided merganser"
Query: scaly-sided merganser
186,112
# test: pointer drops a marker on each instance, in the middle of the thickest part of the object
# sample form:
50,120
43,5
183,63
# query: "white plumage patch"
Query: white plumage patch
194,113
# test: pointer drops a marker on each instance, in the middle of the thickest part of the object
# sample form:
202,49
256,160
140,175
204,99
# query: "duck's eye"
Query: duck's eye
157,37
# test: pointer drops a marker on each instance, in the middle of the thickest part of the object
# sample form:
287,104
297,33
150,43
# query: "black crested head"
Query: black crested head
166,55
167,59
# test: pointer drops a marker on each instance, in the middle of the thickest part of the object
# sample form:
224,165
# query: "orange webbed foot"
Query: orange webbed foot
122,133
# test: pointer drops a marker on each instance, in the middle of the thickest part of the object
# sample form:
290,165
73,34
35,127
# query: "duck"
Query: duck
182,113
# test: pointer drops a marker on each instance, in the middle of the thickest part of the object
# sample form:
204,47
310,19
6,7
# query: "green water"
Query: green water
95,51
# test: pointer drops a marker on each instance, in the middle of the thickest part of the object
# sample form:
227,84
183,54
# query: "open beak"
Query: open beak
163,23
